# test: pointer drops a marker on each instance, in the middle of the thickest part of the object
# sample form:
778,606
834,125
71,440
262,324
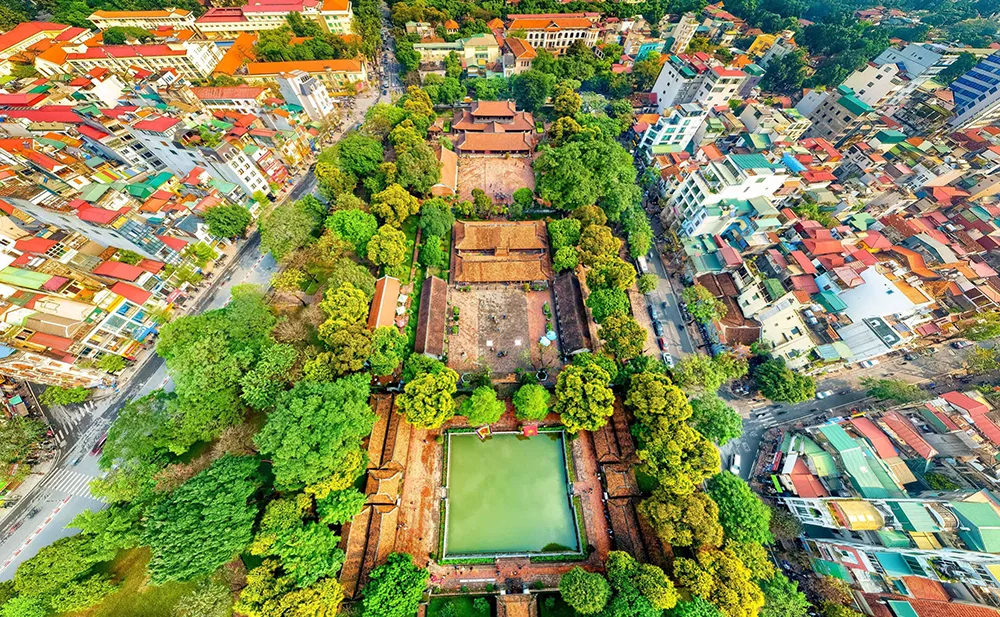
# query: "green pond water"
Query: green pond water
508,494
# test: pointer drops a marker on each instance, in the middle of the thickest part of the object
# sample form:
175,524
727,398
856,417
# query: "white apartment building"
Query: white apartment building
302,89
227,22
177,19
672,132
695,79
701,198
781,124
680,28
191,59
876,84
555,32
164,137
835,114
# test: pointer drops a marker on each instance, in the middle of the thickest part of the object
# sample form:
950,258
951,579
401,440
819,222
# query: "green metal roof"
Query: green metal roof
890,538
93,191
773,288
23,278
893,564
914,516
854,105
752,161
980,527
830,301
901,608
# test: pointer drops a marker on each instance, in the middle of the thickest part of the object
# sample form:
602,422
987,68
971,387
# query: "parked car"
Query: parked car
667,359
961,344
868,363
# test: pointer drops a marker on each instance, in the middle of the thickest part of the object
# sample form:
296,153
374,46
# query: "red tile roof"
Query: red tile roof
908,433
119,270
131,292
156,125
878,439
175,243
34,245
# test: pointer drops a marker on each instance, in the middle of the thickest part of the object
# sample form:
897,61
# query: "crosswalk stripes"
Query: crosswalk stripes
70,482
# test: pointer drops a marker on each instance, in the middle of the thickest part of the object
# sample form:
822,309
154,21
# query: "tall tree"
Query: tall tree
743,516
316,429
584,399
394,589
204,523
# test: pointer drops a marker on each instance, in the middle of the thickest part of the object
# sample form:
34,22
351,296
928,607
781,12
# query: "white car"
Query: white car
868,363
824,394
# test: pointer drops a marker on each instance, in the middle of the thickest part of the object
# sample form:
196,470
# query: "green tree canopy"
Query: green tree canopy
531,402
316,430
205,522
744,517
394,588
428,400
583,397
227,220
482,407
586,592
782,385
714,419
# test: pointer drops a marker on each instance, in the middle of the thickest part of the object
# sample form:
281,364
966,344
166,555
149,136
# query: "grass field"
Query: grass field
136,598
460,606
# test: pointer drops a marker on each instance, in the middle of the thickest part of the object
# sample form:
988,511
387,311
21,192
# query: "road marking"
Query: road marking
35,533
72,482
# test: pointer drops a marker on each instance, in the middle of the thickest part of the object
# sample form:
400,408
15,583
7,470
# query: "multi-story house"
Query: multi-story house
696,78
300,88
671,132
707,199
836,115
182,149
172,18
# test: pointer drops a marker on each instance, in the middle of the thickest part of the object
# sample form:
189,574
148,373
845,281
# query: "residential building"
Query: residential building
670,132
191,59
517,56
228,22
302,89
781,124
678,30
876,84
977,94
696,78
341,77
707,199
180,151
555,32
835,114
172,18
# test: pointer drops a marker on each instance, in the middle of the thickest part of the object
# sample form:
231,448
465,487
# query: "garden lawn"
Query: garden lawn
133,598
458,606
